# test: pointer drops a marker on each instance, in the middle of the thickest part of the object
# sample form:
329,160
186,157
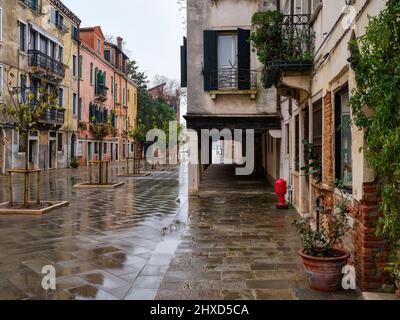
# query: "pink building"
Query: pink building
96,97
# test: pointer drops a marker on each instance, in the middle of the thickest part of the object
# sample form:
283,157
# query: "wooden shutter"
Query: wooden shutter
244,77
210,60
184,63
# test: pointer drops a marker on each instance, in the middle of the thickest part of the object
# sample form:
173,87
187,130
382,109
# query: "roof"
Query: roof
64,9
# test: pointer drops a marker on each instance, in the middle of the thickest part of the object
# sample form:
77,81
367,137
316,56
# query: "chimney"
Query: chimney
119,42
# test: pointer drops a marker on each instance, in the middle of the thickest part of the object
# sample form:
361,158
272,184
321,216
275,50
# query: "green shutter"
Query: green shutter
210,60
244,75
184,63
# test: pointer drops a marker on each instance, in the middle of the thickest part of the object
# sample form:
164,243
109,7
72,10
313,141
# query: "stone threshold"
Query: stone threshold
51,206
86,185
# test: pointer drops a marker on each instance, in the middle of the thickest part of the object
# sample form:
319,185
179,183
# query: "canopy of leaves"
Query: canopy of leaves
376,108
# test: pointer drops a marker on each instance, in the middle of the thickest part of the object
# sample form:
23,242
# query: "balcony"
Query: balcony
34,5
53,117
288,65
46,64
61,27
233,81
100,92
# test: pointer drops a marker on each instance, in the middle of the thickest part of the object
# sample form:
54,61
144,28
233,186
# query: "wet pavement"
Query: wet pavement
147,240
108,244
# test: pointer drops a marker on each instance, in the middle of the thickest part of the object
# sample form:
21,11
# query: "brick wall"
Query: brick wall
327,176
370,252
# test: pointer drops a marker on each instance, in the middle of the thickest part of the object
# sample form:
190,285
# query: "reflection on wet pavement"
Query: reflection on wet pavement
107,245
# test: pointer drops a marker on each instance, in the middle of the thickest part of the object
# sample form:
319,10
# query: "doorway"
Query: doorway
33,153
52,154
89,151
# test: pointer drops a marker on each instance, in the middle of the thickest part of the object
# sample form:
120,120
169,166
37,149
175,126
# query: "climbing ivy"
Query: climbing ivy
376,60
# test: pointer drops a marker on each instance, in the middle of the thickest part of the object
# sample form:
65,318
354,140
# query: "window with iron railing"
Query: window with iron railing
34,5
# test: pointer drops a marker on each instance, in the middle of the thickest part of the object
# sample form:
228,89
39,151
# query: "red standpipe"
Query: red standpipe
281,190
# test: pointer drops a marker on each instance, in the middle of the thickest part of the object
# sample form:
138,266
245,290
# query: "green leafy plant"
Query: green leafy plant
375,106
74,163
318,241
277,38
313,165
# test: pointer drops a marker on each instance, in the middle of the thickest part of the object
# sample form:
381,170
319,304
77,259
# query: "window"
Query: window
1,82
75,33
59,142
96,71
74,65
61,54
343,140
79,150
61,97
107,55
21,143
74,104
105,148
116,92
91,73
124,96
297,144
227,60
80,67
112,86
98,45
22,36
317,130
96,148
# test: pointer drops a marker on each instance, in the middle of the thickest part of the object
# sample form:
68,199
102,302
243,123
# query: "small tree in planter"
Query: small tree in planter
322,261
25,110
101,130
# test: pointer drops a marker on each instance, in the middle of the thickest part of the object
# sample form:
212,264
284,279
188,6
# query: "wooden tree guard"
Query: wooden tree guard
101,164
26,174
136,165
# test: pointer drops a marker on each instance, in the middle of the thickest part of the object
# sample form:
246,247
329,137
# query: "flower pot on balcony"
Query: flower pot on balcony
325,273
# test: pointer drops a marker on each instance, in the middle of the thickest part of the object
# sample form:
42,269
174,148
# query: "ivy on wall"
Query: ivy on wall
376,61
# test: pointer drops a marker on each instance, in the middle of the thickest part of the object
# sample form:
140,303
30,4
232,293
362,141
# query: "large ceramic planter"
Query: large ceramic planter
325,274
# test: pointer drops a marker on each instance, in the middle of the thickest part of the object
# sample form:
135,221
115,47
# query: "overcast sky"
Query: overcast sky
152,30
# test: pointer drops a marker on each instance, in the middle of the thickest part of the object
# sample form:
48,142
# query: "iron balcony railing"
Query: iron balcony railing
43,61
100,91
294,48
34,5
233,79
61,27
54,116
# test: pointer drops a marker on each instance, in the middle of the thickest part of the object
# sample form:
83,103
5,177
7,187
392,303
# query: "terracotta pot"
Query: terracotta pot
325,274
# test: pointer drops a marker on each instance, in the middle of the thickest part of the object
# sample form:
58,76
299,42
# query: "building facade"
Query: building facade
224,80
315,103
39,38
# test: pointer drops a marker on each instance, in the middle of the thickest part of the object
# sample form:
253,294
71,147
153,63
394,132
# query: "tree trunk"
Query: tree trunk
26,175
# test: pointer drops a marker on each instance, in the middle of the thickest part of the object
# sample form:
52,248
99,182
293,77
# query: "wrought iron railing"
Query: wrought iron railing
54,116
34,5
61,27
43,61
294,48
233,79
297,38
100,91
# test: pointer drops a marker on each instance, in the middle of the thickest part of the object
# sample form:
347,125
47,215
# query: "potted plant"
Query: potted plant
322,260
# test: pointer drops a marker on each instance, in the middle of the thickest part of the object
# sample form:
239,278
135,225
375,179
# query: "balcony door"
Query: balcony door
227,61
43,45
